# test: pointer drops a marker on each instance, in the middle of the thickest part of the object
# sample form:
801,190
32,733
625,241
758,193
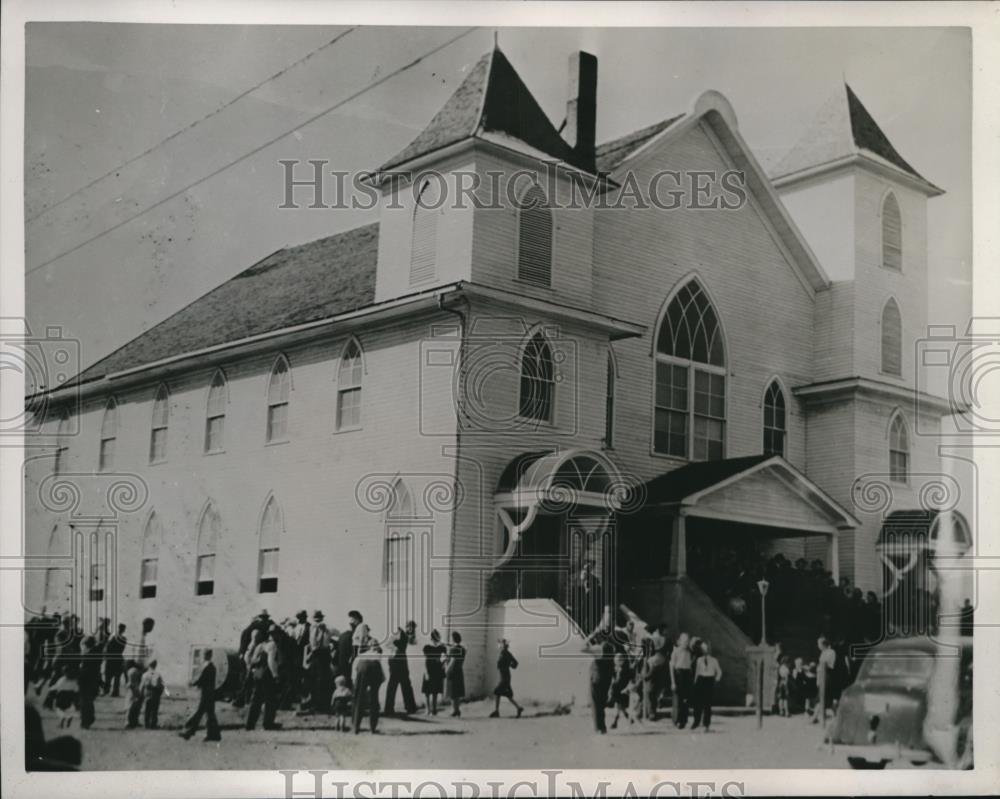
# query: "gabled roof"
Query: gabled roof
612,153
693,477
843,128
292,286
492,99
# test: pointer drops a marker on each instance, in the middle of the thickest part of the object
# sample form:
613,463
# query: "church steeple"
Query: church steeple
843,131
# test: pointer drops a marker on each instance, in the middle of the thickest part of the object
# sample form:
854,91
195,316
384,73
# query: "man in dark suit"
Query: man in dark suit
114,662
601,675
206,704
345,647
399,671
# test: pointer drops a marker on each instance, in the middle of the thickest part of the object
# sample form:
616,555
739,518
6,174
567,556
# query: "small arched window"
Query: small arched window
892,234
151,538
423,252
62,443
534,238
109,436
271,525
690,412
278,388
215,416
892,339
537,380
349,377
208,542
161,420
774,420
899,450
609,403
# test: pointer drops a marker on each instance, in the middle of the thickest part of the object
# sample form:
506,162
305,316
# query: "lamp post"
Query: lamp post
762,586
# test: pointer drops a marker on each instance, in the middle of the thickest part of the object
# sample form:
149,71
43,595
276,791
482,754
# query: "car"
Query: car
883,716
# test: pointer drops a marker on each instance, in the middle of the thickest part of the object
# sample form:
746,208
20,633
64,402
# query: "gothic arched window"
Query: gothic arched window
690,412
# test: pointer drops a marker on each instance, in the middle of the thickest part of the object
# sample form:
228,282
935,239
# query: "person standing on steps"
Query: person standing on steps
205,683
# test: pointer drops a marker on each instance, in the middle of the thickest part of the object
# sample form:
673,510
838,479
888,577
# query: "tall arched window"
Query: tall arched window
690,413
423,252
58,581
774,420
399,557
208,542
537,380
161,419
278,388
215,416
892,338
349,377
609,403
892,234
151,538
534,238
109,435
271,525
62,443
899,450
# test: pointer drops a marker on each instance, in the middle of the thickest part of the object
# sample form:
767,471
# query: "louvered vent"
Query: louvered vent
534,243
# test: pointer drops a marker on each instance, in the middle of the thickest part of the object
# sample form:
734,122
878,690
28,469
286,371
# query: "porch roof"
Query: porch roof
757,489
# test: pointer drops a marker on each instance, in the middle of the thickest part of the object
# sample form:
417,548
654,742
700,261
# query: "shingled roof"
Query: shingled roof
294,285
492,99
843,127
612,153
693,477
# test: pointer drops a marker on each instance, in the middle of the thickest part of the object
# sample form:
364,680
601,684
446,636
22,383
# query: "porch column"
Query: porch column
835,557
678,546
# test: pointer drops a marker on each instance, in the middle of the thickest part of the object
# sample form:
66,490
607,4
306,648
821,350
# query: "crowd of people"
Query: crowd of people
69,668
637,669
801,596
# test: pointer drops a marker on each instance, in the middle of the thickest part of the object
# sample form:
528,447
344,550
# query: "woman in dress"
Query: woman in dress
454,675
433,684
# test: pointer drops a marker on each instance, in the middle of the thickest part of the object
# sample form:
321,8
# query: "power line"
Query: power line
188,127
255,150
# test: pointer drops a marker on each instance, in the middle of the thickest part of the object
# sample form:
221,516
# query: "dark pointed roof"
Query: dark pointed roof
492,99
843,127
292,286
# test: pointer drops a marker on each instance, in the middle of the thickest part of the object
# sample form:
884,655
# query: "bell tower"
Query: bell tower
863,209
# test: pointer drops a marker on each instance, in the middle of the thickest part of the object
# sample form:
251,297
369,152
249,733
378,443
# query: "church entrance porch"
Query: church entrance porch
708,533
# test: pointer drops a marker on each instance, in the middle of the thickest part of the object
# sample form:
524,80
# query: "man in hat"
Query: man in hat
318,659
345,647
399,671
206,704
298,632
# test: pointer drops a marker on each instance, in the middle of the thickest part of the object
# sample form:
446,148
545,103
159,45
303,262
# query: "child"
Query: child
505,662
67,694
343,703
151,688
618,695
784,676
133,694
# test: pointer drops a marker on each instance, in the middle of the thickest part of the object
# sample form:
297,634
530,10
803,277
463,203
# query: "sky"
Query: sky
98,95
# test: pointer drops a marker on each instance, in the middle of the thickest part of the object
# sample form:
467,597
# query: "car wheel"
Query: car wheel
861,763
